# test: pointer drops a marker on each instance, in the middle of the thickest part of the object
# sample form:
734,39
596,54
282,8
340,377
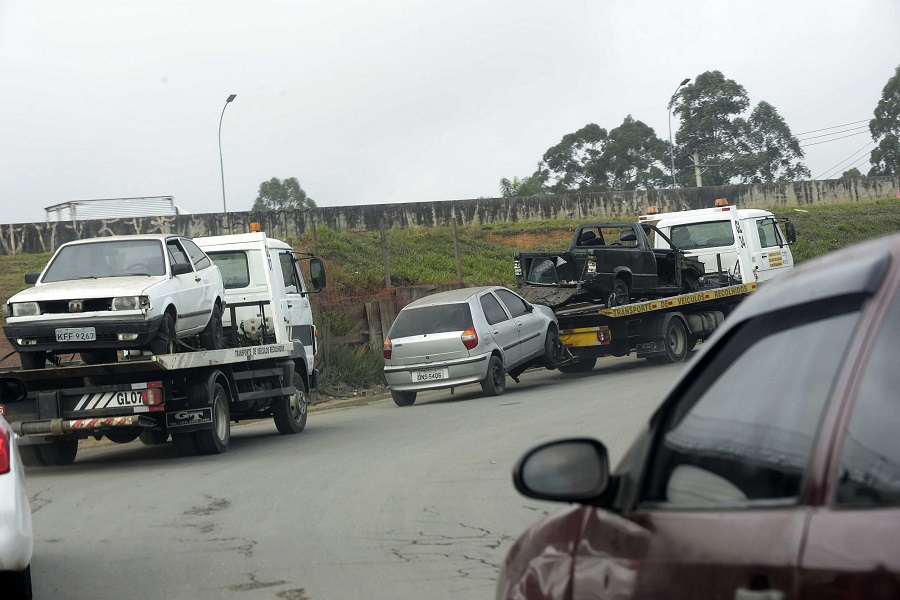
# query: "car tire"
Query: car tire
582,366
164,342
289,412
98,357
58,453
403,398
690,283
16,585
154,437
213,336
619,295
553,348
676,341
33,360
495,382
217,439
123,436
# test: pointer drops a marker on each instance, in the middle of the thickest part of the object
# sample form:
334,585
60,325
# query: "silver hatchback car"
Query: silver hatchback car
469,335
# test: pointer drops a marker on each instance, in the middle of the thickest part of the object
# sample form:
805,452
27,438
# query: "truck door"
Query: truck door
295,307
772,255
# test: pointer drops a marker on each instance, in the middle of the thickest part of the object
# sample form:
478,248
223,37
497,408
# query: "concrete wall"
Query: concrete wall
45,237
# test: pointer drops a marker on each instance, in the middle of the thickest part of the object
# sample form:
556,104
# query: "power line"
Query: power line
834,127
832,140
851,157
812,137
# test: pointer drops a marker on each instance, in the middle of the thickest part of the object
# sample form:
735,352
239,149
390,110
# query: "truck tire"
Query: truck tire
213,336
185,444
676,340
582,366
403,398
553,348
123,436
495,382
289,412
217,439
30,456
33,360
154,437
99,357
164,342
619,294
58,453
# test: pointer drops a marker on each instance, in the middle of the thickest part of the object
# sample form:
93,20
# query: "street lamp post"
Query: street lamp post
671,145
221,165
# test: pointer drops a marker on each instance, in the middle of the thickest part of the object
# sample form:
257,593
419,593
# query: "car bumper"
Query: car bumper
458,372
32,336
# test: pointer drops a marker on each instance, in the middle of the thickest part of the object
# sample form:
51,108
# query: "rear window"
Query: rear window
443,318
702,235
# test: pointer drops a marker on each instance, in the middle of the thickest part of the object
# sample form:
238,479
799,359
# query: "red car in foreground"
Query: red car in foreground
771,471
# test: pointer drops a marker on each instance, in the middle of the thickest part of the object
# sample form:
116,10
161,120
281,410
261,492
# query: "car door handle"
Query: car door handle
745,594
198,279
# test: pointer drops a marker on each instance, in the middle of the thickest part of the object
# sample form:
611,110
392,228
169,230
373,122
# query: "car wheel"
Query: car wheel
164,342
33,360
495,382
154,437
689,283
289,412
403,398
217,439
123,436
676,340
58,453
619,294
553,348
582,366
97,357
213,336
16,585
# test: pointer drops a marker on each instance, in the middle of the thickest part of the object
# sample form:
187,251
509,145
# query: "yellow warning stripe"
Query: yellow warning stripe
685,300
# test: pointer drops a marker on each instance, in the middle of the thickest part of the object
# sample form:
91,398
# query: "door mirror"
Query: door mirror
181,269
317,274
790,232
571,470
31,278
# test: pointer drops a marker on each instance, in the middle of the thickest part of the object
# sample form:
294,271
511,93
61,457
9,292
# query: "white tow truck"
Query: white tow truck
266,369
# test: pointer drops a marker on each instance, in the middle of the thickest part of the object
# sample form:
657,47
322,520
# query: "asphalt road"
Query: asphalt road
371,501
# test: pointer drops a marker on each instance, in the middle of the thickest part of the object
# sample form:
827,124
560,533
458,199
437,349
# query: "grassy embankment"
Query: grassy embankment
425,256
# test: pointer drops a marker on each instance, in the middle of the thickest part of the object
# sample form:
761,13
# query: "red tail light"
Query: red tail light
386,348
5,452
469,338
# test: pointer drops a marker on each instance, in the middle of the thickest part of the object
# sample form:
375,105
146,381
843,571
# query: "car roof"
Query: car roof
140,236
450,297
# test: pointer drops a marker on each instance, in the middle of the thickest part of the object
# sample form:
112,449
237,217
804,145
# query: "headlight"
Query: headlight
25,309
130,302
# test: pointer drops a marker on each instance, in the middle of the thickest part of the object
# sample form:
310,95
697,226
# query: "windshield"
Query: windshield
442,318
702,235
114,258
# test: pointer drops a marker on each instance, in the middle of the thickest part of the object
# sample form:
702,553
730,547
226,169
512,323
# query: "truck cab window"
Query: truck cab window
292,284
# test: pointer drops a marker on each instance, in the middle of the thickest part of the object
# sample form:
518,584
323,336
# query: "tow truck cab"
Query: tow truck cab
728,236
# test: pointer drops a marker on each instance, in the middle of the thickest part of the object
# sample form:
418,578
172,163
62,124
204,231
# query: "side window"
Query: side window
176,254
200,260
292,283
744,431
234,267
869,474
768,233
515,304
493,312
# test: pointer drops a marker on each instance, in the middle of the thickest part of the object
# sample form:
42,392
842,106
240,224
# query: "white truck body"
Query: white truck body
749,243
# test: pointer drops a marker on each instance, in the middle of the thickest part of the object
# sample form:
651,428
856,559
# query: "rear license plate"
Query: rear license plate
76,334
435,375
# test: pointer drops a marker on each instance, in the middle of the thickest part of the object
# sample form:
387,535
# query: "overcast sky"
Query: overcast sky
396,100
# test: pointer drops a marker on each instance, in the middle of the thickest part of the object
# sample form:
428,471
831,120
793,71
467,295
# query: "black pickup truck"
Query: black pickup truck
611,263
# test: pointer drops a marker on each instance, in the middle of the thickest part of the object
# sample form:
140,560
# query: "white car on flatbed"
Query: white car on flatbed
98,296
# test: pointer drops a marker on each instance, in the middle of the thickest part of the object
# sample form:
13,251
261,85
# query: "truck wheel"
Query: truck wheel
58,453
33,360
676,340
99,357
289,412
553,348
213,336
217,439
30,456
123,436
582,366
185,444
403,398
495,382
619,294
164,342
154,437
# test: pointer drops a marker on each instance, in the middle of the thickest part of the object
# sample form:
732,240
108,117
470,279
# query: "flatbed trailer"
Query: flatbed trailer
660,330
192,396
